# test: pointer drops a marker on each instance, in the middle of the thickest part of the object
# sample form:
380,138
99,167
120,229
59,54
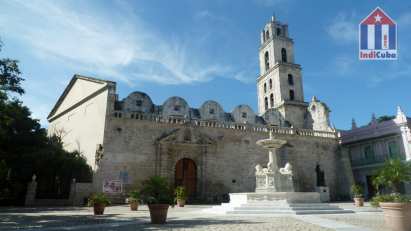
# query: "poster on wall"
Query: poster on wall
112,186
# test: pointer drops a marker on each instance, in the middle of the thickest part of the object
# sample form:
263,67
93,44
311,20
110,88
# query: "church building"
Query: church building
209,150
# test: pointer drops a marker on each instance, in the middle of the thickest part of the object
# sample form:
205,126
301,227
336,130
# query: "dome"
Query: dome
211,110
175,107
138,102
243,114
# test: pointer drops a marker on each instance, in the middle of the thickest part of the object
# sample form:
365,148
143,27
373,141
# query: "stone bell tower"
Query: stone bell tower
279,85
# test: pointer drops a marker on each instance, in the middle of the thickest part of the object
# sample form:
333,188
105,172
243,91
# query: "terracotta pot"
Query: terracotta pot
397,216
359,201
99,209
134,205
181,202
158,213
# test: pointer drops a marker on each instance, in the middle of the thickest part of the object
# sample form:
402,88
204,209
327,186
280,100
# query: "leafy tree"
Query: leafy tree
10,79
25,148
384,118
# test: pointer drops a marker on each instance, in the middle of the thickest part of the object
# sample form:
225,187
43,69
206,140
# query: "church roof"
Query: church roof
69,87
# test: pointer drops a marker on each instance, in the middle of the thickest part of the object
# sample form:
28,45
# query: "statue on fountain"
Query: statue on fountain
273,178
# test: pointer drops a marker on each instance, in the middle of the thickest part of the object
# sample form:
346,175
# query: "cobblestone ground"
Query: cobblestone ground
187,218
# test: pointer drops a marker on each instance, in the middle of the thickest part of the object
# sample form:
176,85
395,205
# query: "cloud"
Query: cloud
343,29
119,47
111,44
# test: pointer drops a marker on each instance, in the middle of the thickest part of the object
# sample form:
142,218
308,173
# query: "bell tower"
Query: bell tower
279,85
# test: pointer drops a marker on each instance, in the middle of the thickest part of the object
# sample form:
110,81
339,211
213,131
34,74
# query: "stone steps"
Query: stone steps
255,208
276,203
297,212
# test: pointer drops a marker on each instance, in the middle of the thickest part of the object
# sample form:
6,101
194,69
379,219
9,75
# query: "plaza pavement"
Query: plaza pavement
190,217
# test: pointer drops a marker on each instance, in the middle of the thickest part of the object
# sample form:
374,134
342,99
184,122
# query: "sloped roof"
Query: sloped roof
69,87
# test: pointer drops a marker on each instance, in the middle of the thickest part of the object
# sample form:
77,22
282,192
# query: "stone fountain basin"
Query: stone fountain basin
271,143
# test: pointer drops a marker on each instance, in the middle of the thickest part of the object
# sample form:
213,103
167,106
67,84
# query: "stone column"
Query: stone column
31,192
272,159
72,195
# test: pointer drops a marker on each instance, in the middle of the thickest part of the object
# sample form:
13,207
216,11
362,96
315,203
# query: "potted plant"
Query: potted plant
134,197
180,196
396,207
357,193
158,196
99,201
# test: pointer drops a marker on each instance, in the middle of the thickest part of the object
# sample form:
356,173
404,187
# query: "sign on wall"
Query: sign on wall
112,186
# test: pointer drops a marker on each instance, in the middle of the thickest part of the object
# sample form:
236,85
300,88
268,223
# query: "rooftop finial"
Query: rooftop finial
373,119
401,117
353,124
273,17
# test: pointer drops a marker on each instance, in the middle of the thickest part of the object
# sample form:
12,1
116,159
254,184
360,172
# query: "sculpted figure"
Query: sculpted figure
287,170
258,169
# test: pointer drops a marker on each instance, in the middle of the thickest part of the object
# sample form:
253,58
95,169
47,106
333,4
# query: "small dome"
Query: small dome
211,110
243,114
175,107
138,102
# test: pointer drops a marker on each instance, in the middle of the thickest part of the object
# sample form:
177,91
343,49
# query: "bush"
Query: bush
393,197
98,198
392,174
134,196
157,191
180,193
356,190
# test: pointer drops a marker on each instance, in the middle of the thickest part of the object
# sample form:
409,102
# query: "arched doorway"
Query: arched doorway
186,175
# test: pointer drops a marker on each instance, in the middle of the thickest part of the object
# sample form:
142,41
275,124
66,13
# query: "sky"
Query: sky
203,50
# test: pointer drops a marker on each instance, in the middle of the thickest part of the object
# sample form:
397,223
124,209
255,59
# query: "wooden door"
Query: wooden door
186,175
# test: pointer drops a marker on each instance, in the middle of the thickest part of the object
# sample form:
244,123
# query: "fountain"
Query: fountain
275,190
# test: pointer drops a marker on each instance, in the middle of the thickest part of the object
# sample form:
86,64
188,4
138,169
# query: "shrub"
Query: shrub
156,190
393,197
180,193
134,196
98,198
392,174
356,190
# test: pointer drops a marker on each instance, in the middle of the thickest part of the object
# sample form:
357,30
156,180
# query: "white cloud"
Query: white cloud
111,44
343,29
118,47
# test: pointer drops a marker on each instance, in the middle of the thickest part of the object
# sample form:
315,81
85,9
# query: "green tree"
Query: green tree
25,148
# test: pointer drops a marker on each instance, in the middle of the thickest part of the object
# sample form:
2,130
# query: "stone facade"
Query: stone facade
132,139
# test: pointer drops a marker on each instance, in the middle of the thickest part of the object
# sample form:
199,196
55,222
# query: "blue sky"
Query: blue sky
202,50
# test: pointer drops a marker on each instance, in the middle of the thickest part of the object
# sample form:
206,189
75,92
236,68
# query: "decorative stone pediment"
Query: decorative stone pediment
186,136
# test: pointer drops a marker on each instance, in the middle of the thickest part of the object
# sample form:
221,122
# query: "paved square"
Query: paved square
191,217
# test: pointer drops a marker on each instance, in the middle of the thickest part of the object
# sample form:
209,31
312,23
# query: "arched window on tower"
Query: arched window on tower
291,94
278,31
266,61
267,35
265,87
271,100
283,55
290,79
266,103
271,84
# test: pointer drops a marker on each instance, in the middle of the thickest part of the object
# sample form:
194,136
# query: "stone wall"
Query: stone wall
225,157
